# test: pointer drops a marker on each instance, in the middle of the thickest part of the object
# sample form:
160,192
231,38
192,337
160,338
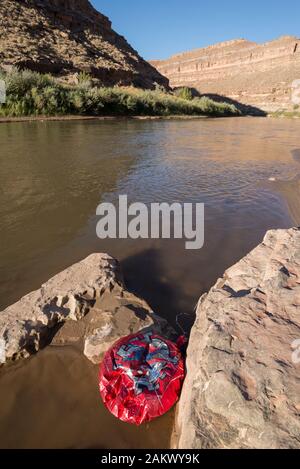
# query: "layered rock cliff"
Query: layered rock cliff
243,362
260,75
65,37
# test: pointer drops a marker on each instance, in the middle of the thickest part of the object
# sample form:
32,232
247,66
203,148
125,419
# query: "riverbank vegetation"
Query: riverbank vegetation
32,94
293,114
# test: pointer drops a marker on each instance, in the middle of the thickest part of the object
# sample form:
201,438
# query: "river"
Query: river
54,174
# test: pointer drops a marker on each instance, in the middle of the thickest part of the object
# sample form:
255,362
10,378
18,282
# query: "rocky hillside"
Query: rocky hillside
66,37
259,75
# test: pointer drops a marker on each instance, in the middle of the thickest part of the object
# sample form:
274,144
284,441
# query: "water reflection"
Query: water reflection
53,175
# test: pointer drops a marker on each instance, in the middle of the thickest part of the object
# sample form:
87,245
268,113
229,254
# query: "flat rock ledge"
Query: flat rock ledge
243,366
86,305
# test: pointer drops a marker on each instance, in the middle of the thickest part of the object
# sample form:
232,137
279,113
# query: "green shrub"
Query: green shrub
85,80
184,93
30,93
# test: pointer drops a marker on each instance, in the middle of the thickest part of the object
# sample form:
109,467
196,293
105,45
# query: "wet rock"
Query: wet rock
31,322
86,306
242,388
115,315
27,324
100,339
96,343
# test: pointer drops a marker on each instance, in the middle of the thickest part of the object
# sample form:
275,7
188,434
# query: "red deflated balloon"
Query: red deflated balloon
141,377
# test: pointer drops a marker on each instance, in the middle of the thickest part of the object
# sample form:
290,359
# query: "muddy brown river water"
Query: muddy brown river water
54,174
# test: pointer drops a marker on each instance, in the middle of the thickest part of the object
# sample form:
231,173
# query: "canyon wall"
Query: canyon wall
258,75
66,37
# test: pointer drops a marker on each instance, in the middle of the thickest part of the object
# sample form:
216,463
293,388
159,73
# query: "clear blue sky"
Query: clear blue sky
160,28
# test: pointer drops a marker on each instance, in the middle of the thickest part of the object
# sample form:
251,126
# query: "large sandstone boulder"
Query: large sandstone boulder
85,305
243,367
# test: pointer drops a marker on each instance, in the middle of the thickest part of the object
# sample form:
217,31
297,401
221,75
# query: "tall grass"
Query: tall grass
32,94
184,93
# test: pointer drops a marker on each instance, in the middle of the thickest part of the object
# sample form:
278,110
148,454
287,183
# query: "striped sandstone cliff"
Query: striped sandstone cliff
259,75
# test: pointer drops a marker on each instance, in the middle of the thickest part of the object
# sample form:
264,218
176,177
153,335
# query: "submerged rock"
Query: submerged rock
243,373
86,304
115,315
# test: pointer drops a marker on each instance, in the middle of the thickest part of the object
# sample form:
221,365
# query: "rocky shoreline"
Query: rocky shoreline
85,304
242,386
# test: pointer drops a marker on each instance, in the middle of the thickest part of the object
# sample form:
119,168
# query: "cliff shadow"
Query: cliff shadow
245,109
